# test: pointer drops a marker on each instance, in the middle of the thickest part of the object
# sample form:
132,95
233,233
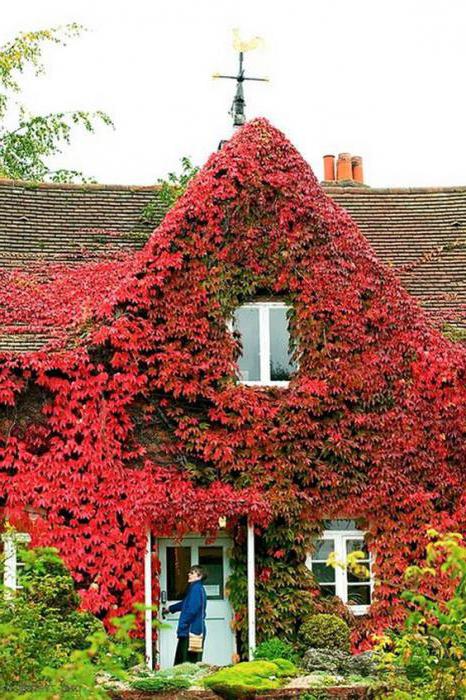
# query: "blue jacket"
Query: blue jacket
193,610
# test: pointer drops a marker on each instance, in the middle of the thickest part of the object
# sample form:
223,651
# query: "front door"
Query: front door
175,562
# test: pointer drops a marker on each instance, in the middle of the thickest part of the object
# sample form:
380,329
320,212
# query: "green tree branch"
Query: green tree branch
24,150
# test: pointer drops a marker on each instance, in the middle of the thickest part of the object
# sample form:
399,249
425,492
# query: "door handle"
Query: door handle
163,597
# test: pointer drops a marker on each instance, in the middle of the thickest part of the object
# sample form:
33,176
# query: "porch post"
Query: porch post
9,572
251,591
148,600
11,540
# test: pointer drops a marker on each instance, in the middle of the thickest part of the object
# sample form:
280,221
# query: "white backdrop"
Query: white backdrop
379,78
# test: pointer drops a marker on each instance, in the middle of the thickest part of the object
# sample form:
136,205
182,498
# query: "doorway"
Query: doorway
176,558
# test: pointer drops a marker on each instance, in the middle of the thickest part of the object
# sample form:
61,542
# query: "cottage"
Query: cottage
249,387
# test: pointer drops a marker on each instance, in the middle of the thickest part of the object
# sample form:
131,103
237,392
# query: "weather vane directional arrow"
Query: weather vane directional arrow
237,108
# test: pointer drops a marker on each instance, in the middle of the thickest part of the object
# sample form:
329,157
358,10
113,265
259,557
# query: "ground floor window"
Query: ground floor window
339,539
11,562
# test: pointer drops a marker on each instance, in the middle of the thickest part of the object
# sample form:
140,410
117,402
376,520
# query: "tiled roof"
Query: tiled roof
67,223
420,232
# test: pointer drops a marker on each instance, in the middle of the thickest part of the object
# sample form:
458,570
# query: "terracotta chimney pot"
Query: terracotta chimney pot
329,168
344,167
358,173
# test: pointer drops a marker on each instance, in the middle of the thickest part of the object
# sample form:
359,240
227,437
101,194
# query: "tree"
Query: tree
24,149
171,189
427,659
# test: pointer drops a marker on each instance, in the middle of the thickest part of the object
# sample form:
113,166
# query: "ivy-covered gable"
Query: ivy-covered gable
139,418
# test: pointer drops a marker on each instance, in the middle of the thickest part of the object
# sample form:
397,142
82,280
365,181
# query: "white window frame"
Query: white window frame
264,342
340,538
11,540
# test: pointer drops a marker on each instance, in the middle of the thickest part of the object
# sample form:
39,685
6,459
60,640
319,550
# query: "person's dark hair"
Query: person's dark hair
199,571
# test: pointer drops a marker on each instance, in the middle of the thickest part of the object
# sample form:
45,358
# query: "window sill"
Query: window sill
359,609
281,384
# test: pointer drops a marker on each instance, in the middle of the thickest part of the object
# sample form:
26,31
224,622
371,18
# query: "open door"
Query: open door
175,562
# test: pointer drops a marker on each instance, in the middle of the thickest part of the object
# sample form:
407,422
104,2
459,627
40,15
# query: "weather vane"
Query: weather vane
237,108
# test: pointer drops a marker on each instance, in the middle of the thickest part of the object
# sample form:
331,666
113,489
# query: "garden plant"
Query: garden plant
47,643
430,652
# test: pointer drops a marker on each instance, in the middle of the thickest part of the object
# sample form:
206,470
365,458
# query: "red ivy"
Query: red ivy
138,417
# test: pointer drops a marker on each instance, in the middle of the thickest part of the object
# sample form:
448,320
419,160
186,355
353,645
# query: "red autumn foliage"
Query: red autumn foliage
138,417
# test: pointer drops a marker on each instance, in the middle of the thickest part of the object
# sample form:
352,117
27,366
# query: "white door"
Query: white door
176,558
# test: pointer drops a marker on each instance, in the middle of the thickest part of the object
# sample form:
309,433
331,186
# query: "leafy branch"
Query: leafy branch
25,148
171,189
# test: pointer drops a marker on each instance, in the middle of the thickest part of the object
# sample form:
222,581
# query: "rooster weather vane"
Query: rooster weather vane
237,108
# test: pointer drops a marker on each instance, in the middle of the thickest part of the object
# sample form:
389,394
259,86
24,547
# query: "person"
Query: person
192,618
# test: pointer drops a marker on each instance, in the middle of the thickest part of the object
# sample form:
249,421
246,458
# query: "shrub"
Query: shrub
275,648
430,651
325,631
187,669
286,668
53,592
331,661
364,664
244,679
46,580
339,662
77,678
176,678
40,626
77,627
159,683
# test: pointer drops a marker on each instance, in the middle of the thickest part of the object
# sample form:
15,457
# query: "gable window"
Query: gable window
339,539
265,341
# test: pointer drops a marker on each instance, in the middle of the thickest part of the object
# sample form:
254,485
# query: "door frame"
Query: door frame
223,539
251,586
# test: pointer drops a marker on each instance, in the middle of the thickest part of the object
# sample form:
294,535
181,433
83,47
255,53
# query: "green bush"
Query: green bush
427,659
178,677
187,669
40,626
159,683
53,592
286,668
77,679
325,631
48,648
275,648
46,580
77,627
245,679
340,662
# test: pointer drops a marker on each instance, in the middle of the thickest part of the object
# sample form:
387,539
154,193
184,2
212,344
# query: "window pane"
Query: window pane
328,590
323,548
281,366
323,573
211,559
357,546
359,594
340,524
353,578
247,323
178,565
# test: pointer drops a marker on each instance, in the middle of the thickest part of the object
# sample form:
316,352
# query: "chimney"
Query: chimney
358,174
329,168
344,167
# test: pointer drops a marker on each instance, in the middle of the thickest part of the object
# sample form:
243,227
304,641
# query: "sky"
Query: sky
376,78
